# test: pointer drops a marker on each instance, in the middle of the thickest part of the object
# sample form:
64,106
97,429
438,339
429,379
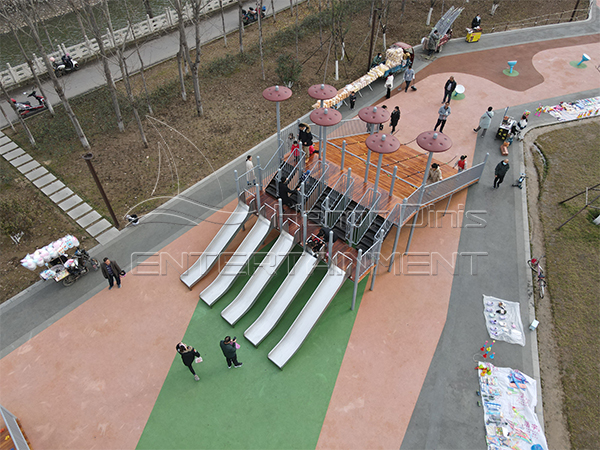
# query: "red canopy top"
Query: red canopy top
374,114
433,141
325,117
322,91
383,143
277,93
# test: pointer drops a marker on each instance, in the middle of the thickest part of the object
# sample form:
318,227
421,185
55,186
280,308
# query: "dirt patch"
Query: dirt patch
565,313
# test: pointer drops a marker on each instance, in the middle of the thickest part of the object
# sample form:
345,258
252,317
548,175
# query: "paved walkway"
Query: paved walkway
82,367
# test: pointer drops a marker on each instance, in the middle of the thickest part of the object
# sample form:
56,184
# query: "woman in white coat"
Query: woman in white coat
485,121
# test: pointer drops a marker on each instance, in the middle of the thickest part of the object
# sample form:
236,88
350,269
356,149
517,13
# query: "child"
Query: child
461,163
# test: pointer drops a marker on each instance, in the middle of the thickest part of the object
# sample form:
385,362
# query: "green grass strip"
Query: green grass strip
258,405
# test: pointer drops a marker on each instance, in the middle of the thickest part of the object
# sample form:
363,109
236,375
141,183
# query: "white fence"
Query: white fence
89,48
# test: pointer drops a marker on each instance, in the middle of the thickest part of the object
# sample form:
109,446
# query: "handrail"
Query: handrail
89,48
546,19
273,213
333,213
368,202
269,169
286,227
348,267
311,197
369,258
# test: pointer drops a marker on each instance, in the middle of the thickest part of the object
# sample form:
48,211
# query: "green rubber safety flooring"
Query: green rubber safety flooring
257,406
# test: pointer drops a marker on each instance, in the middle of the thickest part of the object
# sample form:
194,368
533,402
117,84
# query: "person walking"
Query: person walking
112,272
443,114
485,121
435,174
389,84
395,118
188,355
409,76
461,163
352,99
449,89
500,172
229,347
250,177
305,135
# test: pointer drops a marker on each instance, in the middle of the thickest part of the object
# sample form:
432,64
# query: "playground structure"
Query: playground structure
335,191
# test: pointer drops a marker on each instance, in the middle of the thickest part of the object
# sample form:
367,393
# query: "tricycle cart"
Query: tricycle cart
59,266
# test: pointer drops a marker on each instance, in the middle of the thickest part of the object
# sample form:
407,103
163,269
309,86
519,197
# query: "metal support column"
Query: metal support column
398,228
280,214
377,173
304,230
343,156
375,267
422,191
356,275
393,181
330,249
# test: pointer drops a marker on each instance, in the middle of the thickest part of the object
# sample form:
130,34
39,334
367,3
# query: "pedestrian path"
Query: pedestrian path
69,202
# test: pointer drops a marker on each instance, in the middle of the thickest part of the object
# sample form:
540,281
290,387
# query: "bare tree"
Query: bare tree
223,22
148,8
260,40
241,25
273,9
185,51
87,13
27,12
14,107
495,5
132,100
142,67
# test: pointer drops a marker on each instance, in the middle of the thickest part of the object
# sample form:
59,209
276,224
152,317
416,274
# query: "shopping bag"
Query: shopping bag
199,359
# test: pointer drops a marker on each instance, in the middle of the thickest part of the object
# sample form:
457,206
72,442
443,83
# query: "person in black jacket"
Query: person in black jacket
449,89
476,23
112,272
228,346
305,135
285,193
188,354
500,172
394,118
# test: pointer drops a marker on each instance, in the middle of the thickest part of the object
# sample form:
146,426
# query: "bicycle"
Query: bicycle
535,265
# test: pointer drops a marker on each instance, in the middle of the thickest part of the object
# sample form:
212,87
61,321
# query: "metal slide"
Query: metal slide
308,317
219,243
238,260
255,285
282,299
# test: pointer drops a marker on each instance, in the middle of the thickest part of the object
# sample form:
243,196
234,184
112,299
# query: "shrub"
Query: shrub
288,70
14,218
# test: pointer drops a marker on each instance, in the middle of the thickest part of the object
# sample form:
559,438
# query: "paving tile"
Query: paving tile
13,154
35,174
70,203
29,166
80,210
98,227
107,236
3,138
8,147
61,195
53,187
89,219
21,160
46,179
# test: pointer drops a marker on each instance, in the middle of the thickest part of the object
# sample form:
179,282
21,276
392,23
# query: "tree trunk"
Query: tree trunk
273,9
132,101
260,40
297,50
223,22
57,87
6,118
142,68
292,7
180,64
241,26
428,22
14,107
197,8
85,9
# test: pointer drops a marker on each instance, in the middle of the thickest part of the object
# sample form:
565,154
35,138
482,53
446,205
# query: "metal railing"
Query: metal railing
362,216
346,266
271,167
369,258
89,48
333,209
315,191
296,234
347,128
546,19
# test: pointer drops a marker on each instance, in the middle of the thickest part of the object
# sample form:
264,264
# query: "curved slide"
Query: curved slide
282,299
236,263
255,285
219,243
308,317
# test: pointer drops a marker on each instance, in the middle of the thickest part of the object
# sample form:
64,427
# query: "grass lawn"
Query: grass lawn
572,263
